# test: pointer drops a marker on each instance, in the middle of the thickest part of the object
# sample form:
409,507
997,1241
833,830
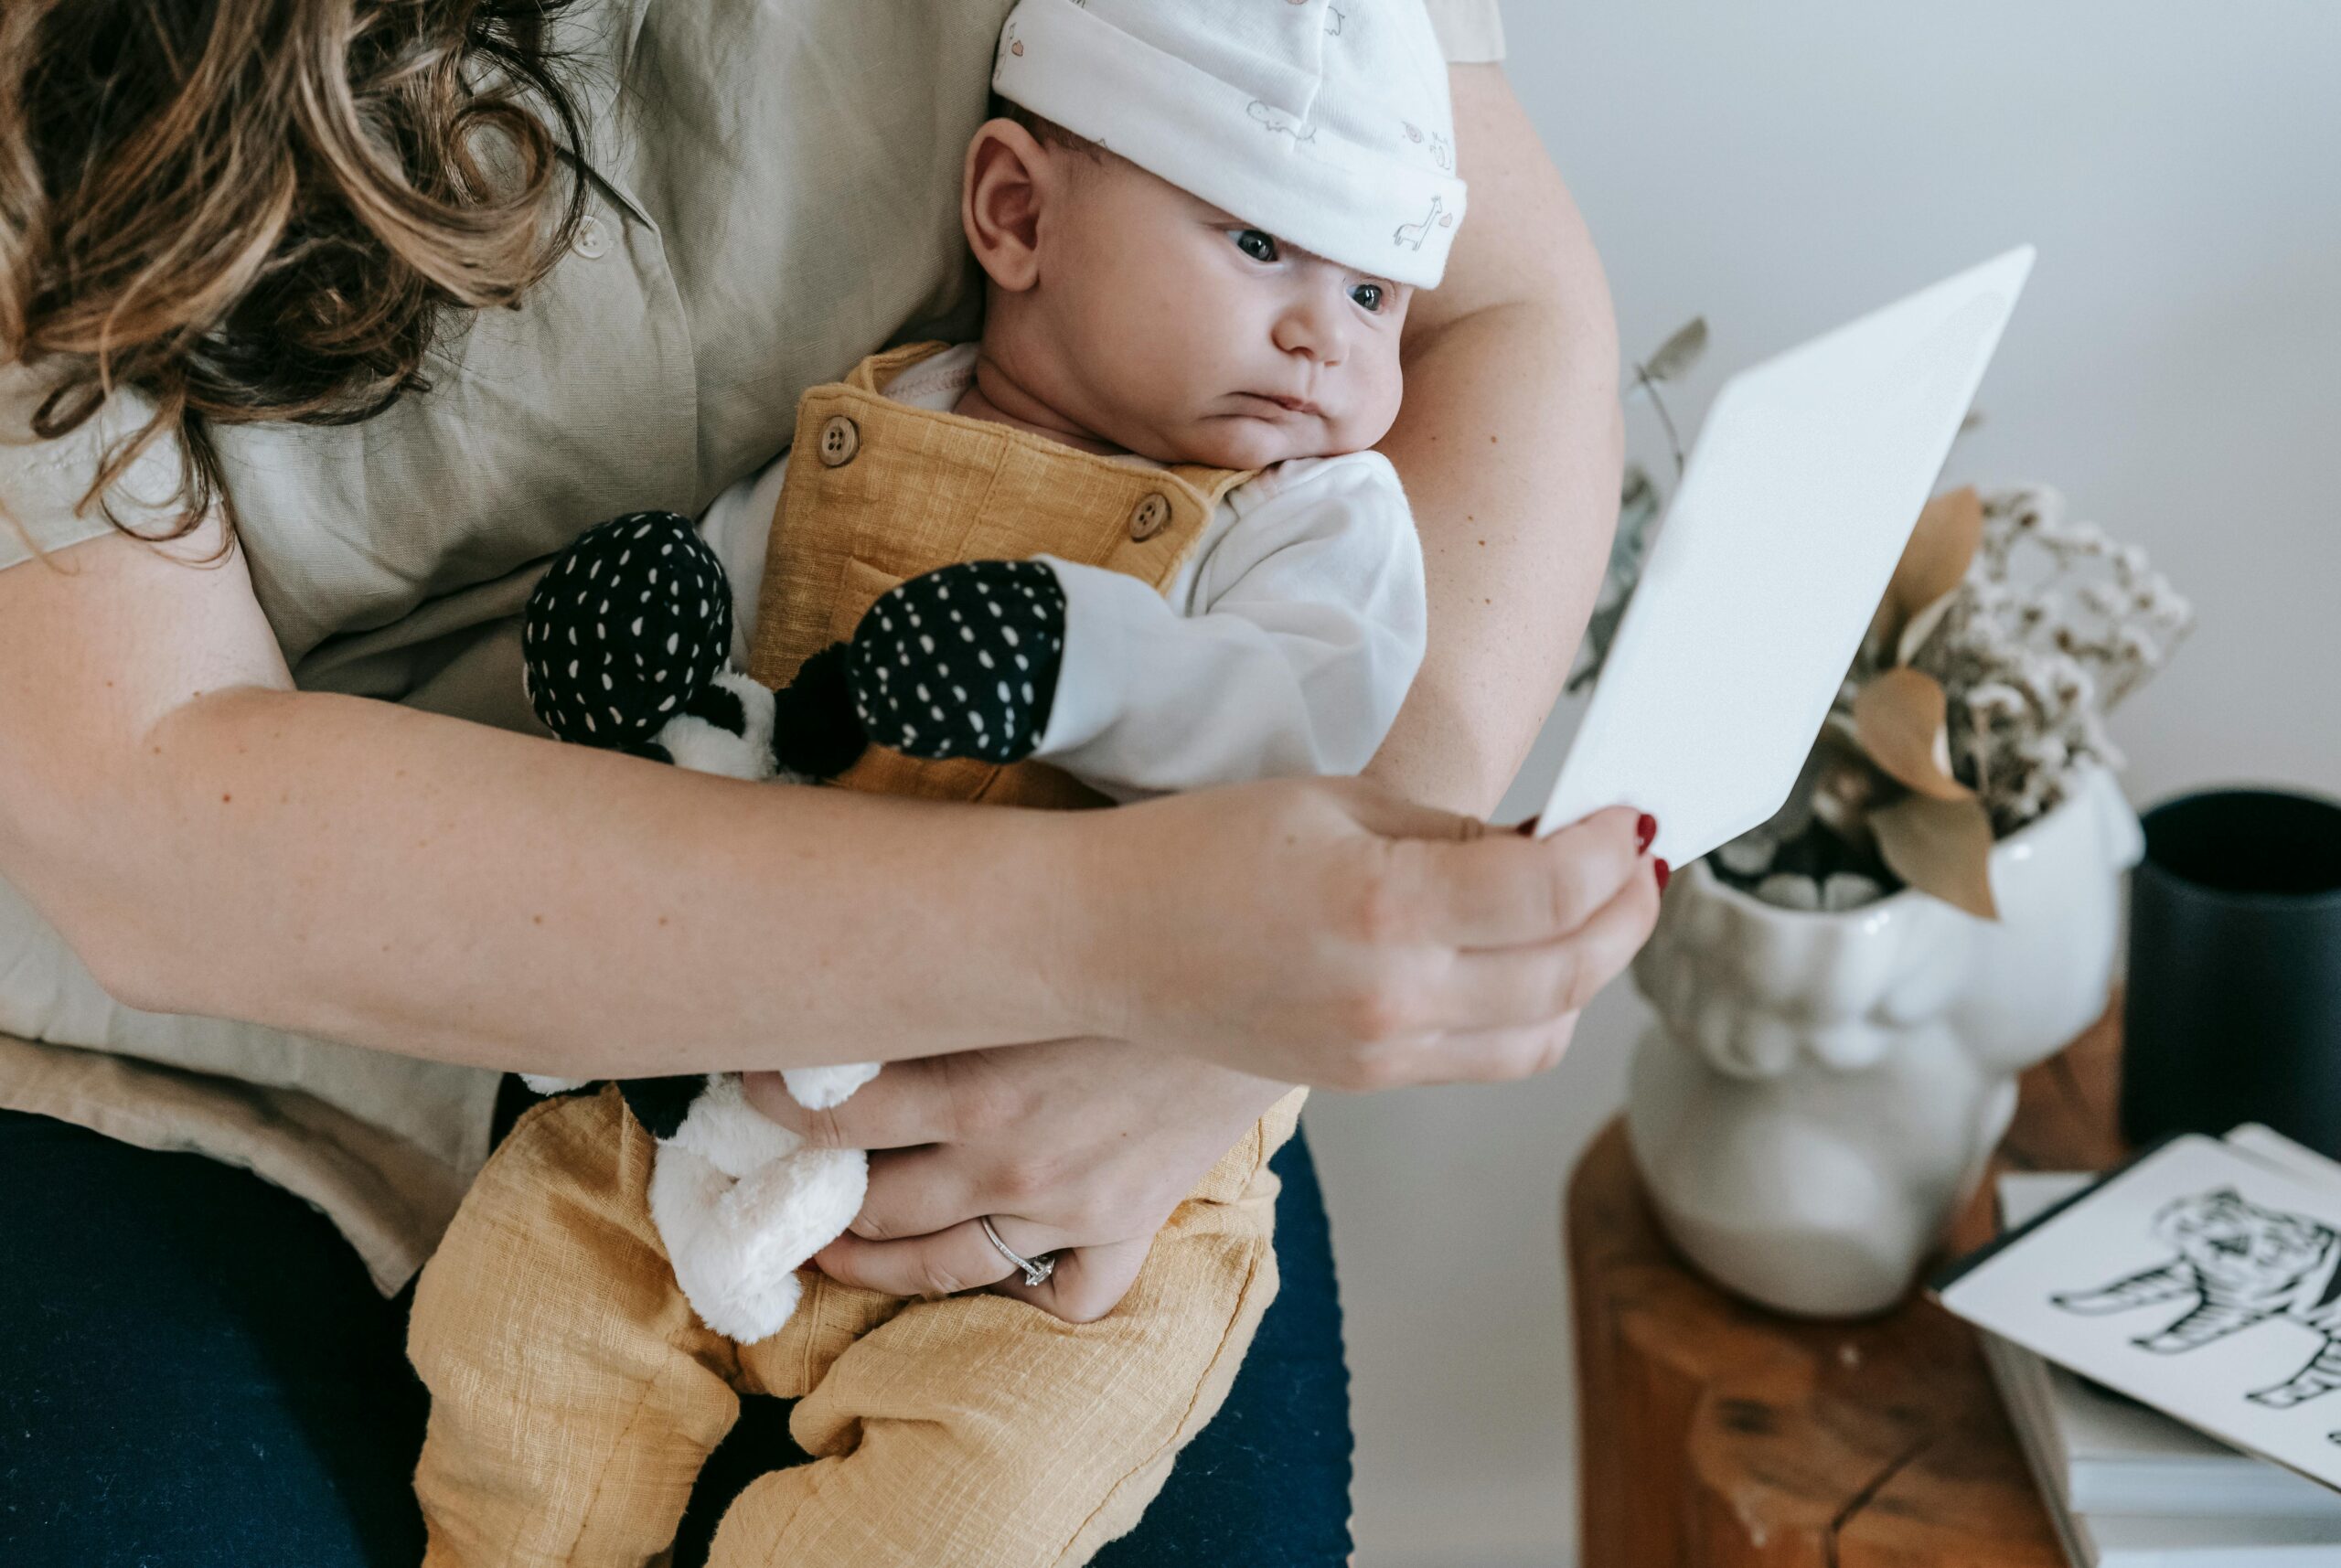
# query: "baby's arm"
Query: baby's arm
1307,627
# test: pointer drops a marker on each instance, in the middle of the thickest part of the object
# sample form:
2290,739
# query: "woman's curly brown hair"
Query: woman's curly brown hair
265,210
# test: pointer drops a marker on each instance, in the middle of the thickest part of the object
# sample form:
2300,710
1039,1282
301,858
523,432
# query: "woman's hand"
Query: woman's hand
1326,932
1078,1148
1469,960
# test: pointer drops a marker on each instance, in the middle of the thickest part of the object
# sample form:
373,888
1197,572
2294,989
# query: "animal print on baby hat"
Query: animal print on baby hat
1324,121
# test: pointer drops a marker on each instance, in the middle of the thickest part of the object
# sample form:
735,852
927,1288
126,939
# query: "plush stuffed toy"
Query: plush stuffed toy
626,645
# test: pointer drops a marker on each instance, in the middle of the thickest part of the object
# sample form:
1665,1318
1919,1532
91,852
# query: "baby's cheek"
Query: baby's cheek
1377,407
1366,426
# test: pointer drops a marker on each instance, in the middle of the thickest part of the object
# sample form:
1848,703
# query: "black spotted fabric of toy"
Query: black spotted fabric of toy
629,625
962,661
630,630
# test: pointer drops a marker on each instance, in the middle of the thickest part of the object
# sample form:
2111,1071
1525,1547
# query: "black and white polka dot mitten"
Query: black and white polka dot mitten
961,662
628,628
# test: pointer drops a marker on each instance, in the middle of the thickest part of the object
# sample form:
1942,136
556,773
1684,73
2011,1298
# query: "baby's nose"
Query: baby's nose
1312,326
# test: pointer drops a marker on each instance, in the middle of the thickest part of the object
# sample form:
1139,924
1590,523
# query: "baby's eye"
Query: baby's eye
1257,243
1368,296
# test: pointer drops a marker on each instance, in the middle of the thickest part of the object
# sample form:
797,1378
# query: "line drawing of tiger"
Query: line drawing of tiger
2243,1265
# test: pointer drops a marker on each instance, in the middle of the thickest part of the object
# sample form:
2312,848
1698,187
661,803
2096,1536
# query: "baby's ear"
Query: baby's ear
1007,180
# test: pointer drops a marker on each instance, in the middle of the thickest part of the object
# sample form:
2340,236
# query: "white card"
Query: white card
2203,1281
1800,495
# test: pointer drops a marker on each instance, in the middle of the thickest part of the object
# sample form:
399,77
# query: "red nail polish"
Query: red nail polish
1663,873
1528,829
1645,832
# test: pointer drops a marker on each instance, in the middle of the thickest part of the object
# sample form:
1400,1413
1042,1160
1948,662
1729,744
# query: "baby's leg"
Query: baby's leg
982,1433
574,1392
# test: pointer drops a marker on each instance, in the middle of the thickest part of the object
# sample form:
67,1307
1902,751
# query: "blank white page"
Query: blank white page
1795,506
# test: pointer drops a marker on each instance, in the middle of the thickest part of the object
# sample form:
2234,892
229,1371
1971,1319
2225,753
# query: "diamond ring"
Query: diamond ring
1036,1270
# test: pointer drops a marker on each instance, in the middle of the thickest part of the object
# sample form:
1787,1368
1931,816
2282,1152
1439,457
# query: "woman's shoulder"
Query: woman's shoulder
46,482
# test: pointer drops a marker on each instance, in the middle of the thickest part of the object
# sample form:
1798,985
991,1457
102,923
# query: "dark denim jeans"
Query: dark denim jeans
196,1374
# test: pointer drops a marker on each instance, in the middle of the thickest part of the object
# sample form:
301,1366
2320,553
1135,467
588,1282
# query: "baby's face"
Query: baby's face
1175,330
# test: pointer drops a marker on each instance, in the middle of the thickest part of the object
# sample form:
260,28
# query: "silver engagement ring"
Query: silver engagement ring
1036,1270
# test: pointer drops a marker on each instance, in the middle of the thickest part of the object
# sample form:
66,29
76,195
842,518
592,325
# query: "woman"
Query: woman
404,294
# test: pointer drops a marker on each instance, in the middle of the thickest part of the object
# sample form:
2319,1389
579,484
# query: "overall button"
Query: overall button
1150,517
840,439
591,240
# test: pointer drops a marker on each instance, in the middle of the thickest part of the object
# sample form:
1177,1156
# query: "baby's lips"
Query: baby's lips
1290,405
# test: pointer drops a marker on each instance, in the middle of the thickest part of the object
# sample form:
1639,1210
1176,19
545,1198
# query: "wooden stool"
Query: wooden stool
1715,1434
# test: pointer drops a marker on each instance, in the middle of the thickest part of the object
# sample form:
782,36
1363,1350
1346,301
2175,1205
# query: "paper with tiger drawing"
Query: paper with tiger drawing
2204,1279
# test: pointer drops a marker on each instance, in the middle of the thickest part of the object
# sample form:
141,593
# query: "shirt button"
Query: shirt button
840,439
591,240
1150,517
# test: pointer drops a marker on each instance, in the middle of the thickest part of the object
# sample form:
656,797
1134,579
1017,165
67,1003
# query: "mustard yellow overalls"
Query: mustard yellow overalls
575,1394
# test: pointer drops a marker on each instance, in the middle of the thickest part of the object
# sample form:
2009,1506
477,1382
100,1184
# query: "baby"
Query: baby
1132,541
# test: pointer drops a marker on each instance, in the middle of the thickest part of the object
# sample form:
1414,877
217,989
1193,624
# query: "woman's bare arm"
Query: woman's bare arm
210,840
1510,442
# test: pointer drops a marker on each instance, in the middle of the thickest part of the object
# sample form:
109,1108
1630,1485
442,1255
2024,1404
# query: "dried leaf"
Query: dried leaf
1942,848
1678,353
1922,626
1933,563
1902,718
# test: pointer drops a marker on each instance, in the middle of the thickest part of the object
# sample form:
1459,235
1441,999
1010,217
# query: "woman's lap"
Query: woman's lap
1266,1484
194,1371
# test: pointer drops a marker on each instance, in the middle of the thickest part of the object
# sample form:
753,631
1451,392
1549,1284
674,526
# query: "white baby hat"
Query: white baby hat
1324,121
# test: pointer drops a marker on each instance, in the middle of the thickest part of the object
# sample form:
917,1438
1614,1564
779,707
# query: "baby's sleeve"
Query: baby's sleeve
1306,627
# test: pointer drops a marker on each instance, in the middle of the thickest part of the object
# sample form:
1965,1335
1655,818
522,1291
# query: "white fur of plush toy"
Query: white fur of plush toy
705,748
740,1202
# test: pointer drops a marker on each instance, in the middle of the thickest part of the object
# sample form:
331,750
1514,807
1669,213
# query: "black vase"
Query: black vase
2234,1006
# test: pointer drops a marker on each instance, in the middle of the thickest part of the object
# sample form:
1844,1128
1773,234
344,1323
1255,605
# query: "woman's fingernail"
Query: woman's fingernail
1528,829
1645,832
1663,872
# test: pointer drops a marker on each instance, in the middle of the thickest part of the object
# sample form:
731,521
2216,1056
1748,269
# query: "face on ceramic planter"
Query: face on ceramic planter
1820,1091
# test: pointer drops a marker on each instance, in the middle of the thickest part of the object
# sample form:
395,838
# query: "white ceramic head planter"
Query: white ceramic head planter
1820,1092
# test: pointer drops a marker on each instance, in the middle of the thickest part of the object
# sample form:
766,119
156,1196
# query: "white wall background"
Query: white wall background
2175,368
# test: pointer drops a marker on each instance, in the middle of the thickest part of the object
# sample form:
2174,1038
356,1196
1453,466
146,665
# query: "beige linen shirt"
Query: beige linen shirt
772,194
